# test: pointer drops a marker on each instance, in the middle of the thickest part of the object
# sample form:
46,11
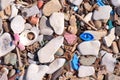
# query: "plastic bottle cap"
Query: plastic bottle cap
86,36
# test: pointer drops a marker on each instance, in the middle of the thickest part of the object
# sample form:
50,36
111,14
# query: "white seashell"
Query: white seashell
55,65
14,11
5,41
46,53
89,47
24,38
108,61
85,71
36,72
18,24
88,17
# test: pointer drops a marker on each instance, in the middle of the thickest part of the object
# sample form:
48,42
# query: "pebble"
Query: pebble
36,72
115,3
88,17
76,2
1,28
55,65
98,24
60,52
102,13
12,72
57,22
10,58
5,3
108,60
109,38
97,34
44,28
87,6
117,31
87,61
51,7
70,38
46,53
6,47
113,77
115,47
89,47
85,71
17,24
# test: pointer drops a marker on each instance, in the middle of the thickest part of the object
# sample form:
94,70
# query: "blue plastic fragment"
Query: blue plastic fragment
100,3
11,43
110,24
112,12
75,8
75,62
86,36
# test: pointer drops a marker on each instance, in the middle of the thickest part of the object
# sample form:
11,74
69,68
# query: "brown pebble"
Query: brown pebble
6,26
115,48
8,10
98,24
87,6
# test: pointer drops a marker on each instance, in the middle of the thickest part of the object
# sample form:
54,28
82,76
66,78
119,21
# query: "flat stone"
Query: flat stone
51,7
102,13
76,2
87,61
115,3
89,47
57,22
44,28
36,72
59,52
5,3
85,71
6,46
46,54
97,34
109,38
108,60
17,24
10,58
55,65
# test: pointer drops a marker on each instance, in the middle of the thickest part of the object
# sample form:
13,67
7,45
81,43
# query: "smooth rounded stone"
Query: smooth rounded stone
115,3
113,77
17,24
89,47
86,61
57,22
102,13
51,7
85,71
109,38
115,47
98,23
59,52
76,2
10,58
14,11
97,34
1,28
24,40
117,30
36,72
5,3
55,65
12,72
6,47
46,54
108,60
88,17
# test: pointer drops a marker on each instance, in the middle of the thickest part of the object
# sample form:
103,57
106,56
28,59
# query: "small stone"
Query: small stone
70,38
1,28
116,3
113,77
10,58
5,3
55,65
89,47
44,28
5,41
12,72
98,24
51,7
108,60
115,47
85,71
17,24
46,54
28,26
73,29
36,72
76,2
88,17
97,34
87,6
117,30
30,55
109,38
102,13
8,10
87,61
27,12
60,52
57,22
